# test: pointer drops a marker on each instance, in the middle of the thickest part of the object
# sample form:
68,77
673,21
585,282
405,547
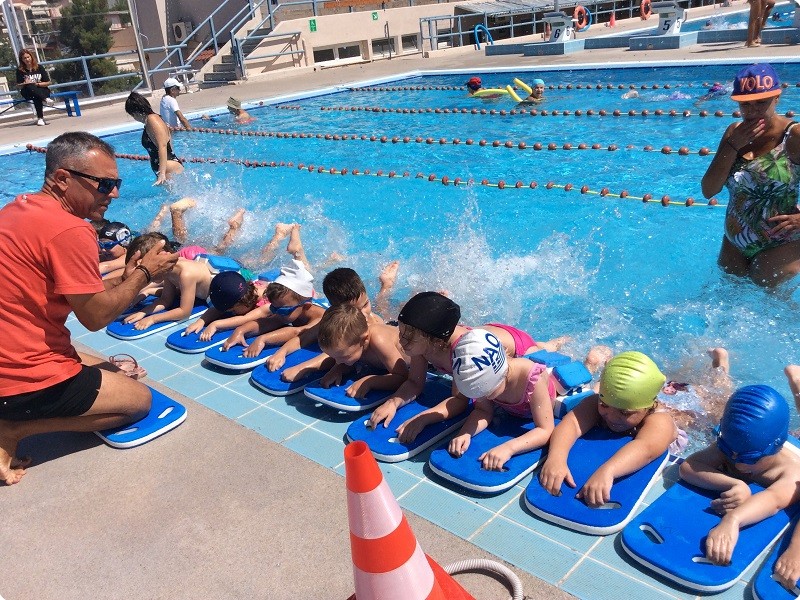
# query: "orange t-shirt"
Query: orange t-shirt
45,252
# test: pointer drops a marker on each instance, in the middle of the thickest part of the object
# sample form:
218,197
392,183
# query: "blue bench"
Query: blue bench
70,102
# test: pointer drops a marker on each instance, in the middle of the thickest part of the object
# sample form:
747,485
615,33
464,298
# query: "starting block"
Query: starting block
562,37
668,34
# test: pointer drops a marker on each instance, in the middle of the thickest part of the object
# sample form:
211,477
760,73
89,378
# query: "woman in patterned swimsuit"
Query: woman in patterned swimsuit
758,160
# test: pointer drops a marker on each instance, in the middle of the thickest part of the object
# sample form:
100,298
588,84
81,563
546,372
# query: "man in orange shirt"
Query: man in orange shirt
50,268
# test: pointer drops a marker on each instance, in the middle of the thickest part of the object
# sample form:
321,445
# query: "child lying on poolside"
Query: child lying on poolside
188,282
749,448
626,404
346,337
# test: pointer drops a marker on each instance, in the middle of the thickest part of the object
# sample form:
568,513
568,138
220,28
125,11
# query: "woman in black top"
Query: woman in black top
156,138
33,82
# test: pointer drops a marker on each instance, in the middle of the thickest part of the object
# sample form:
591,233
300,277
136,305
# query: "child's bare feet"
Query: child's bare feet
295,245
555,344
597,357
162,212
719,358
183,204
334,258
282,230
388,276
235,222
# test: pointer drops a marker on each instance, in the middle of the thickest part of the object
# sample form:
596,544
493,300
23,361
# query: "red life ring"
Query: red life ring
581,16
645,10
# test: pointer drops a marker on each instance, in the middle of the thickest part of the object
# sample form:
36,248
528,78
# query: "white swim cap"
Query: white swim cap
479,363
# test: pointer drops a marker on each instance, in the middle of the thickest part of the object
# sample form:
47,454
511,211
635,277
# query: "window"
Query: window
410,43
383,47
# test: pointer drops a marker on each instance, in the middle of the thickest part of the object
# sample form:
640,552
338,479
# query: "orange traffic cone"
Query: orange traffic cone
613,21
388,563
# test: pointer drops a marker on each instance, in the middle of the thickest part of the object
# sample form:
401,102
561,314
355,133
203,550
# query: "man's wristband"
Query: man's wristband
146,272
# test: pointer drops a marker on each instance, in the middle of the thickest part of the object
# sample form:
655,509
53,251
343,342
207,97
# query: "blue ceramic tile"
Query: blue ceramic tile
98,340
317,446
335,422
518,513
246,388
609,553
455,513
297,406
218,376
399,481
158,368
527,550
181,359
227,403
190,384
152,343
591,580
271,424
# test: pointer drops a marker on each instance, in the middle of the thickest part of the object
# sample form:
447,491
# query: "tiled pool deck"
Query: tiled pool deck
583,565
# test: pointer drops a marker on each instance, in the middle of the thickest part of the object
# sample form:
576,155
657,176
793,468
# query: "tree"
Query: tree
84,31
7,58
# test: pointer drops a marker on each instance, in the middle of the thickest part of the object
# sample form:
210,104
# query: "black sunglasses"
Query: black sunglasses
105,185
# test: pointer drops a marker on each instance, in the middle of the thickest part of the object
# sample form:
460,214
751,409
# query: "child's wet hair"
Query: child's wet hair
146,242
343,286
277,291
250,298
341,324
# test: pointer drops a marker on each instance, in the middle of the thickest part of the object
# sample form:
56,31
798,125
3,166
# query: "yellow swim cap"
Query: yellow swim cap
630,381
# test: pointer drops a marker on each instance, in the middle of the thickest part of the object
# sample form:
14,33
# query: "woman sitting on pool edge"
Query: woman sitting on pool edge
758,160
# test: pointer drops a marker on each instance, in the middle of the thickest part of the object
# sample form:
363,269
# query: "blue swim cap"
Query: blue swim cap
755,424
538,82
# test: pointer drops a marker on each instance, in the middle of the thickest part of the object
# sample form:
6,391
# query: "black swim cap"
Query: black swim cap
432,313
227,289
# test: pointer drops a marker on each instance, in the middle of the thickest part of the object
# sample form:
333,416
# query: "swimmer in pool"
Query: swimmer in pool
537,92
473,84
716,90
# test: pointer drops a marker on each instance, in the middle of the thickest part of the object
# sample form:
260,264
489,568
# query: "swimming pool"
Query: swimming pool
596,267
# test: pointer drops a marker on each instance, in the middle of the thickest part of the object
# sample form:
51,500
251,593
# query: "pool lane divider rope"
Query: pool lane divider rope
521,145
533,112
560,86
605,192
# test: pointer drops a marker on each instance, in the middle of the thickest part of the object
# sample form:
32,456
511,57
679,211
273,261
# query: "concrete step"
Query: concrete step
224,68
219,77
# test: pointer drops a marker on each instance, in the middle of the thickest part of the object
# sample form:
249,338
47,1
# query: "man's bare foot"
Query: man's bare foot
388,276
235,222
555,344
183,205
597,357
295,245
10,470
719,358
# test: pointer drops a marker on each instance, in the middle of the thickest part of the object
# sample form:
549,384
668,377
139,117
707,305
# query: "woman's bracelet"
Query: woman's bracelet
146,272
735,149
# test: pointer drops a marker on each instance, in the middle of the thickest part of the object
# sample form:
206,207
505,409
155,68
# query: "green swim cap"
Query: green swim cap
631,381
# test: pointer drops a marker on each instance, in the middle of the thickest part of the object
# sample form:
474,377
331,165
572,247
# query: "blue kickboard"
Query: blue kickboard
467,471
764,586
271,382
669,538
589,453
383,442
128,331
572,375
335,396
190,343
219,264
549,359
165,414
234,360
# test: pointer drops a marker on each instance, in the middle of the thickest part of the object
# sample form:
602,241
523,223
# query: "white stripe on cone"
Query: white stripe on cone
412,581
373,514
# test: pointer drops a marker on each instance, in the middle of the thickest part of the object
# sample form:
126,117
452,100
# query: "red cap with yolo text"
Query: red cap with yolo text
756,82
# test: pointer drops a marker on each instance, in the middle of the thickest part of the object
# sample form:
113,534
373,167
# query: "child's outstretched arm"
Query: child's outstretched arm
574,425
278,334
383,354
787,567
323,362
655,434
542,414
406,393
211,315
722,539
168,295
186,299
449,407
477,421
257,326
307,334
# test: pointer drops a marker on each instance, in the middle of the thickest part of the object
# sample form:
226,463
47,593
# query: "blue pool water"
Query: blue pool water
629,274
738,20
